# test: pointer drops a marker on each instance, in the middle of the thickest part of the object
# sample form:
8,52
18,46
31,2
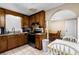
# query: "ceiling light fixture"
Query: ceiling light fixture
32,9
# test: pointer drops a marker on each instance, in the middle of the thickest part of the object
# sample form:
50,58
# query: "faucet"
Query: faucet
13,29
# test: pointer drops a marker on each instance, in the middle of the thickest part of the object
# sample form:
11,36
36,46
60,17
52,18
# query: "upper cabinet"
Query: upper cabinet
38,17
2,17
32,19
42,19
25,21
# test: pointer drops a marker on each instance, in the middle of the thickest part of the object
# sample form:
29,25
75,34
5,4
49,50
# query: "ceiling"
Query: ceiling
29,8
63,15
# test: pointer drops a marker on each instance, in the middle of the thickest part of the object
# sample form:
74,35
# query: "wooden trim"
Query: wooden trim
11,12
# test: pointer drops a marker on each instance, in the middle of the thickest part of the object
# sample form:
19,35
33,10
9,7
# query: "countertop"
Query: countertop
12,34
20,33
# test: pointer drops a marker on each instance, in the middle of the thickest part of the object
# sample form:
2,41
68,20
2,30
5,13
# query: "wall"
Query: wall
67,27
55,26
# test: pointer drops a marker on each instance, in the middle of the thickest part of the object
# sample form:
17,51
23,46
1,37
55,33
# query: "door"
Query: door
71,28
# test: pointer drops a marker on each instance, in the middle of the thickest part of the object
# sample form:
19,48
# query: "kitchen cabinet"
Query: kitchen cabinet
25,39
16,40
38,17
32,19
12,41
8,42
2,17
21,39
38,41
3,43
25,21
42,19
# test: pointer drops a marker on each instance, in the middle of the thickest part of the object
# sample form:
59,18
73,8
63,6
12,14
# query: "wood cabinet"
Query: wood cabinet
38,17
25,21
38,41
16,40
42,19
12,41
21,39
32,19
3,43
2,17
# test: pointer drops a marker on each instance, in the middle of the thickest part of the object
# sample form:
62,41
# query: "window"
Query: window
13,22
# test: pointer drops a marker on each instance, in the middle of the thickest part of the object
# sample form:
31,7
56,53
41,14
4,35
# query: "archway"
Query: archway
59,22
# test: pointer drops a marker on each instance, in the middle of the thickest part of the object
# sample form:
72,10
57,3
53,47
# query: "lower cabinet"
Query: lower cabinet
38,41
21,39
16,40
3,43
8,42
12,41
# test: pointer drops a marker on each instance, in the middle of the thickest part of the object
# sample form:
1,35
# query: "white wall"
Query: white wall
54,26
67,27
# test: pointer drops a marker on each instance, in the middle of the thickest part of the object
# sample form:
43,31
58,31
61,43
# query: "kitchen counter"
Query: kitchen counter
13,34
20,33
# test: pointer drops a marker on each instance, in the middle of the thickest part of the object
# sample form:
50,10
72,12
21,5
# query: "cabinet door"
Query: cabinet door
2,16
21,39
37,16
32,19
24,38
12,42
3,43
25,21
42,19
38,41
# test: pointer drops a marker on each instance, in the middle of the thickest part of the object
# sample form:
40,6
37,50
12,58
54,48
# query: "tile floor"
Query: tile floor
23,50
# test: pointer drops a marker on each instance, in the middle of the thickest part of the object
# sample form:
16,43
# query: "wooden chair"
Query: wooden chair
54,36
